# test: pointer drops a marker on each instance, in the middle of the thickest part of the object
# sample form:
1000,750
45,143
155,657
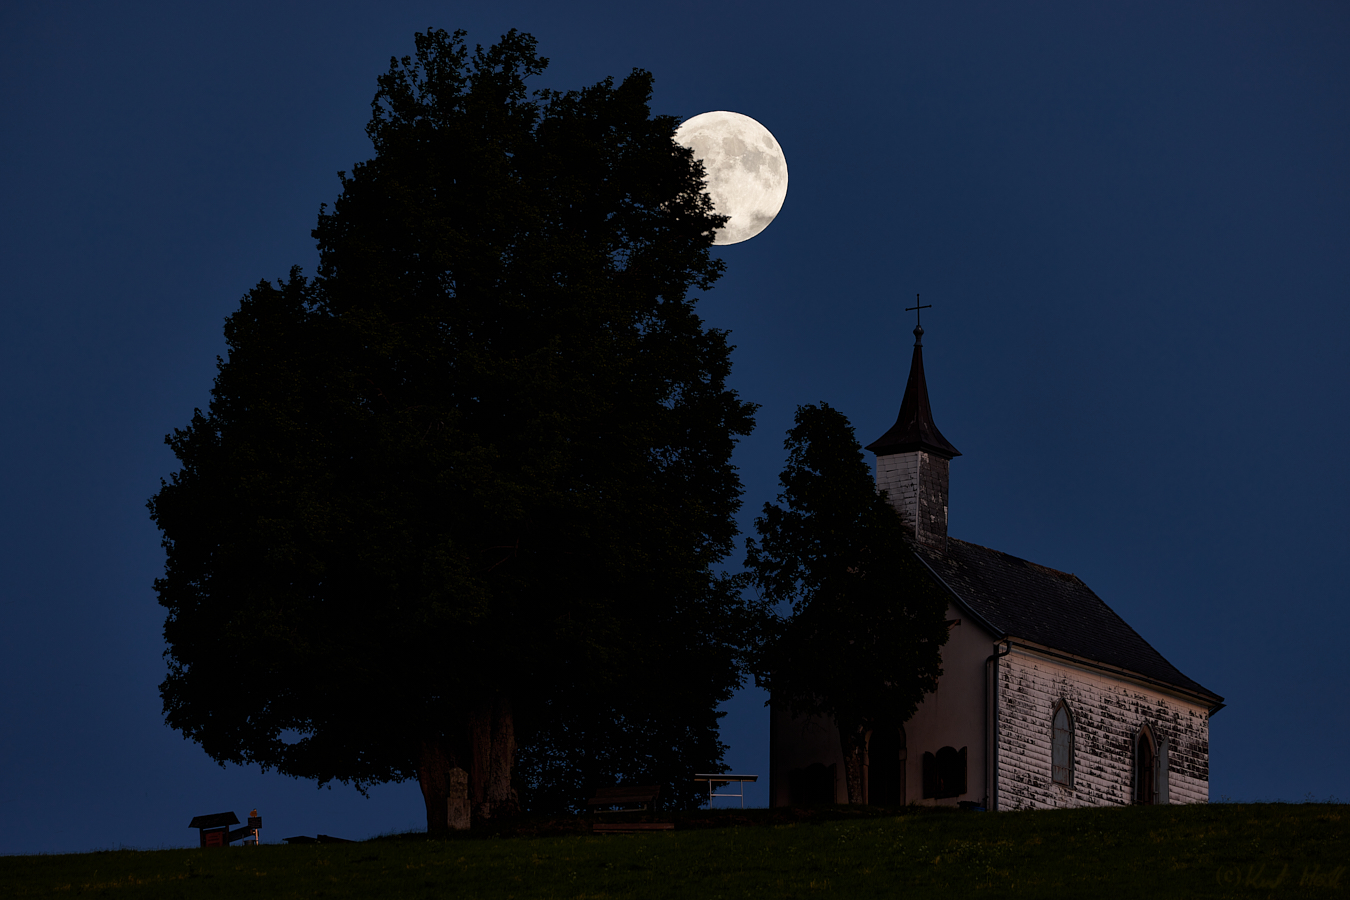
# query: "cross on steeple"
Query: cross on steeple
918,321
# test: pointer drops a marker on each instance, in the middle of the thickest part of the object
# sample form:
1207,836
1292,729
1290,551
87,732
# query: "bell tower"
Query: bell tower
913,459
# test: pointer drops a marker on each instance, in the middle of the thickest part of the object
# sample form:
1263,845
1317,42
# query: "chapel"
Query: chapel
1047,698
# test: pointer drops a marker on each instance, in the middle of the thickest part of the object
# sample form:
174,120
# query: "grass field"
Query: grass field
1221,850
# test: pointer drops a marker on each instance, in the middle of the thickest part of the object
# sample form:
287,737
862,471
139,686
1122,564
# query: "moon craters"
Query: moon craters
745,167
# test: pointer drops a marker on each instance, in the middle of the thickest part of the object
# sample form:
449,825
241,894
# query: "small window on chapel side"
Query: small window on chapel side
1061,752
944,773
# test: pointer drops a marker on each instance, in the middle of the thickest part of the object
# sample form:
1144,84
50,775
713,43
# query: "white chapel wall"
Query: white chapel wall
954,715
1108,712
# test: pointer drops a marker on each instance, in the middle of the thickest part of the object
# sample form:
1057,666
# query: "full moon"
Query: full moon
747,173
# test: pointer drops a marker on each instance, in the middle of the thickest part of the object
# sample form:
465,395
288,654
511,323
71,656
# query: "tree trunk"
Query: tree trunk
433,775
853,741
492,741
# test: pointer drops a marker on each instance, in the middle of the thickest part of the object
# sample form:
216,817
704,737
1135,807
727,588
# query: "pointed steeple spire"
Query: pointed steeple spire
913,460
914,428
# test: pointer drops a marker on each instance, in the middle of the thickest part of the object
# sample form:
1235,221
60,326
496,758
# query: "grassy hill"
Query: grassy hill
1221,850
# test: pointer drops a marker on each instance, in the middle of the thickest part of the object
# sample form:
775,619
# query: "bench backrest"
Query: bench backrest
625,793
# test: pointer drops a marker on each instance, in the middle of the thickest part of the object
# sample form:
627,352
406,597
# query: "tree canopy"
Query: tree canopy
468,485
861,641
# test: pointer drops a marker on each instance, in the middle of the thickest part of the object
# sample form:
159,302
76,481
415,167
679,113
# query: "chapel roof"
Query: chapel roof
1020,599
914,428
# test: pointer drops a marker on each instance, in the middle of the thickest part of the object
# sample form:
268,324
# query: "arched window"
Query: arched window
1145,767
944,773
1061,745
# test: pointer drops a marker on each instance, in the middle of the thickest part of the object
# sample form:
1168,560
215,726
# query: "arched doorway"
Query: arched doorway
886,767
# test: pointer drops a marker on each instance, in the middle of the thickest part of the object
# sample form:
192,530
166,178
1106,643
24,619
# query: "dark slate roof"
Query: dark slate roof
1021,599
914,428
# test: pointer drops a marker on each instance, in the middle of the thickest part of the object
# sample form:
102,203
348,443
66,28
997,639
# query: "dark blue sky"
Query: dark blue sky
1132,221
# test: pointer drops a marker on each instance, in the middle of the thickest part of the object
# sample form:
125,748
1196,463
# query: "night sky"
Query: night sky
1132,221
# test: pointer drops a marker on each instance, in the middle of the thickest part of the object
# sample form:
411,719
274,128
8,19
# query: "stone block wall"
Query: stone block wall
1107,713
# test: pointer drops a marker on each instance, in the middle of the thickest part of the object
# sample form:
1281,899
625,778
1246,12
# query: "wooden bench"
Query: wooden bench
631,827
632,797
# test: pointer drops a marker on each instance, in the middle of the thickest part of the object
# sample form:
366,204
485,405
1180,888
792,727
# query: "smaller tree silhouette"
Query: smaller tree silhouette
862,641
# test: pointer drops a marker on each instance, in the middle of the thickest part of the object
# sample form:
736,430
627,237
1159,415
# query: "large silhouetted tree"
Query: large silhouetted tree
862,643
476,471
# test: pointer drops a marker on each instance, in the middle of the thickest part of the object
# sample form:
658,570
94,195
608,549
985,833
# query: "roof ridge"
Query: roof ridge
1051,569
